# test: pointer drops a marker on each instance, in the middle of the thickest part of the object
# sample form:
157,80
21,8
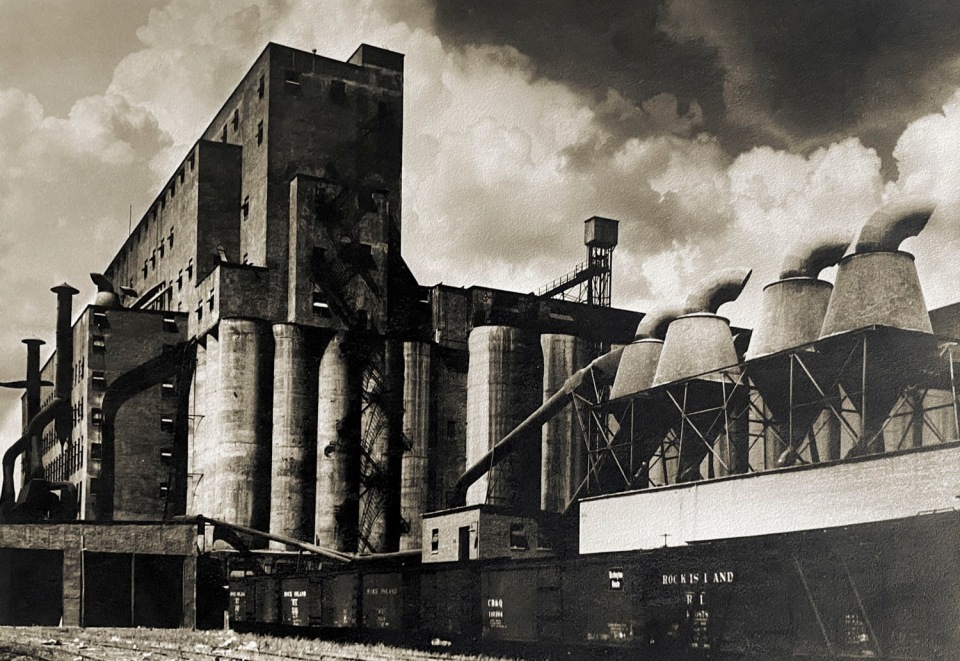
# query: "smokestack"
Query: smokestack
33,377
58,409
63,381
33,404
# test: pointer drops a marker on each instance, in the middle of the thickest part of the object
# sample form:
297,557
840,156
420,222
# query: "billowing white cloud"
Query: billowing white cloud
500,166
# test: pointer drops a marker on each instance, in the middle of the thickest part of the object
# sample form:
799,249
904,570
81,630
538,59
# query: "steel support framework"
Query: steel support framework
869,391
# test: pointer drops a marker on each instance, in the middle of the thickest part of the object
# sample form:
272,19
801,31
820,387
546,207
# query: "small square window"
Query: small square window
320,305
435,541
99,344
292,81
170,325
166,456
166,423
168,389
98,379
96,416
518,538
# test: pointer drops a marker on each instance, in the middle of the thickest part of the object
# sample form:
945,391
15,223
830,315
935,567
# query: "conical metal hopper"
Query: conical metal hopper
876,289
696,344
638,365
791,316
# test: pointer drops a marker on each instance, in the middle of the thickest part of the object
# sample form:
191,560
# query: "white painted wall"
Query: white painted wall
877,488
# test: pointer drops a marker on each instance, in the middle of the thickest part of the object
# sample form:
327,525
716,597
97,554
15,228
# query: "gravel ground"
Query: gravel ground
74,644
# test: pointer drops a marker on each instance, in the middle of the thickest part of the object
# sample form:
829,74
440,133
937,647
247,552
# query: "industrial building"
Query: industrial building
260,354
260,367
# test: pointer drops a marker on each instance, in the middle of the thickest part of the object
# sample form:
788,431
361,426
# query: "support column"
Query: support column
293,466
416,430
338,446
504,386
564,461
244,397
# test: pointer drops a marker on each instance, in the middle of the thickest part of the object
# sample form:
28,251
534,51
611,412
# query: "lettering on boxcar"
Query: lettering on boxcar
699,578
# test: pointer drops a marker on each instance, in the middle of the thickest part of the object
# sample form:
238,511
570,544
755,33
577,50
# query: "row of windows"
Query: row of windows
211,302
65,464
77,412
292,85
78,368
160,204
517,538
236,128
157,254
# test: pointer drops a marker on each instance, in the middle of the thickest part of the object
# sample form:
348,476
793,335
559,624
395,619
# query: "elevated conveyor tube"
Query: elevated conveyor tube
603,370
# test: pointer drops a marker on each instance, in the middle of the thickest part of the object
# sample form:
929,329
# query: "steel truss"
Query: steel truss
869,391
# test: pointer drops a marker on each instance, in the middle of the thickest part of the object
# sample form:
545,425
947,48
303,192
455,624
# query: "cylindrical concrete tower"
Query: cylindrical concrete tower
244,403
504,385
203,438
564,457
338,447
416,429
293,468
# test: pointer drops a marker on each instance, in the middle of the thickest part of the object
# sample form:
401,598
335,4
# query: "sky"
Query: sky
720,134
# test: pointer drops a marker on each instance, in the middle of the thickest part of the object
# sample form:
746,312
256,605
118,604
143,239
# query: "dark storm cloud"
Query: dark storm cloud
594,46
780,73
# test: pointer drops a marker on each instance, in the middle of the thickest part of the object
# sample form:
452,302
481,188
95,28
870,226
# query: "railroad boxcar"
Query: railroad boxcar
300,601
450,600
243,602
390,604
520,602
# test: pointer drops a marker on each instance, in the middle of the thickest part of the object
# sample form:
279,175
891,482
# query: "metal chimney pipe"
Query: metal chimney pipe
33,377
63,382
35,467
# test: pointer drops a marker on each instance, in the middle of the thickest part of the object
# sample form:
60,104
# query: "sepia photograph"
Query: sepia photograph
355,330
